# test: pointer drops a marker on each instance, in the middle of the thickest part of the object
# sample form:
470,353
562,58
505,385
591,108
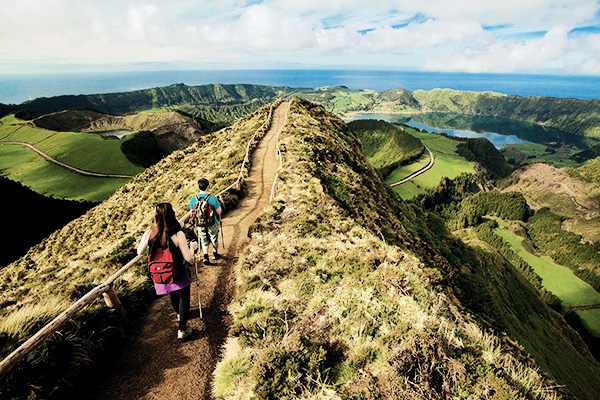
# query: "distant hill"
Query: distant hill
577,117
168,96
343,286
225,103
160,133
386,145
173,130
588,154
486,155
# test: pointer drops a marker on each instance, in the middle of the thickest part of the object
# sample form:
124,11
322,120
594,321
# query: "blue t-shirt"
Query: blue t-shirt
212,200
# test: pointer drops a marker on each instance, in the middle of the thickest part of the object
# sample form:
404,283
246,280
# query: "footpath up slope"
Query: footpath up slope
157,366
85,252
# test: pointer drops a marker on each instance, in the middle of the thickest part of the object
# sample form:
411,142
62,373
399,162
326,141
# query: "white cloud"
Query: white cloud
591,66
440,34
504,55
427,34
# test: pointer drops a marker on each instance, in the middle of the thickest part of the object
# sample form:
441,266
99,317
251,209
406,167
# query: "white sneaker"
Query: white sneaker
184,334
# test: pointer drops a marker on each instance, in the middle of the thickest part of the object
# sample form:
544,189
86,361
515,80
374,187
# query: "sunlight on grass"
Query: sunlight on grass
557,279
447,164
327,309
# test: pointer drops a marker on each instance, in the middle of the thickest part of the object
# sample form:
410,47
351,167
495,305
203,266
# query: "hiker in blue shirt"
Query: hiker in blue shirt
207,234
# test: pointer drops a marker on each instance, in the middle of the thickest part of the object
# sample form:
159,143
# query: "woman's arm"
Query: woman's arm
181,242
143,242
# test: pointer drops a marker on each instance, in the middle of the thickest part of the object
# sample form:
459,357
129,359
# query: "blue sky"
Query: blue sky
521,36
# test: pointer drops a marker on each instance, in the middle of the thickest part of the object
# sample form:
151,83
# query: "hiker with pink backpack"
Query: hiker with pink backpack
169,258
205,215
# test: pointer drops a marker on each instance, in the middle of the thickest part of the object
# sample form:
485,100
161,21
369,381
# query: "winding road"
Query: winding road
417,173
71,168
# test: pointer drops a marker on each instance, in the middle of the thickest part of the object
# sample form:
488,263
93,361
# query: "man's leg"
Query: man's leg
214,240
204,241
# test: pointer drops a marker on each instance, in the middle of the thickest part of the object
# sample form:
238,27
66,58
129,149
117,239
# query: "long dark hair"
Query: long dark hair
166,225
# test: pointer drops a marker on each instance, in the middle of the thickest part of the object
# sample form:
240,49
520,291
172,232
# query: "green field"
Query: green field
23,165
405,170
560,158
86,151
559,280
447,164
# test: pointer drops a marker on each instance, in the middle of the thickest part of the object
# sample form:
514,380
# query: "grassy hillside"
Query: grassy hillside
589,154
483,152
448,164
343,292
87,151
519,154
577,117
387,146
76,137
81,255
573,193
226,103
340,296
588,172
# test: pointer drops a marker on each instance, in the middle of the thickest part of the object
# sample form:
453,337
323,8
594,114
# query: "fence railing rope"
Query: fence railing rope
105,287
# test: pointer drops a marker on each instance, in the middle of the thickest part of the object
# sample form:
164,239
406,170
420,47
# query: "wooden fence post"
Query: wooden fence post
49,329
111,300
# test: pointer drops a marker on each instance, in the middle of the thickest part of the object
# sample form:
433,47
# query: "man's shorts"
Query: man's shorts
211,237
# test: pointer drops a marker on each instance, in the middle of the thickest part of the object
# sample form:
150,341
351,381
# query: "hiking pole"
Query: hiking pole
198,279
221,229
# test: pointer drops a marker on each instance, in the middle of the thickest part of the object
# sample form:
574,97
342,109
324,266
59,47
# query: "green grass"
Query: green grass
22,165
588,171
591,320
87,151
559,280
157,110
23,133
386,146
538,152
405,170
447,164
528,150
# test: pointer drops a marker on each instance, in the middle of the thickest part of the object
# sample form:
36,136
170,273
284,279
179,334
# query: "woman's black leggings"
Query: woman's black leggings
180,300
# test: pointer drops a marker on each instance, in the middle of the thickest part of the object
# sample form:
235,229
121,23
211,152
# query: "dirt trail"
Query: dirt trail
155,365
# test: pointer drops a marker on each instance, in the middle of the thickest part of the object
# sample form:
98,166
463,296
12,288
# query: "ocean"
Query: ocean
15,89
